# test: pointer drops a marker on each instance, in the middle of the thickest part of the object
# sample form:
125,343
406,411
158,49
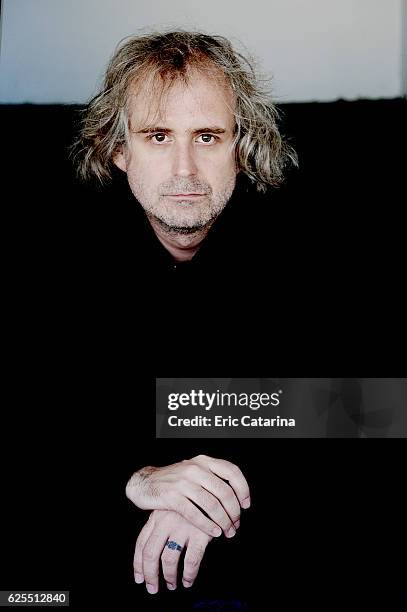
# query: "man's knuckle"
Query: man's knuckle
192,471
149,554
210,504
234,469
184,481
169,560
192,563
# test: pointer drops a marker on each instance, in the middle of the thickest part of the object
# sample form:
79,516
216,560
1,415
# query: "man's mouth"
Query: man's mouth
189,198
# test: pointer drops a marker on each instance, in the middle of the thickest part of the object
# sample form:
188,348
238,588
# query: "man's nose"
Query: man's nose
184,160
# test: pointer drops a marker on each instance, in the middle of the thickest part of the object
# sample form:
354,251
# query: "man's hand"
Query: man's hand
161,527
199,481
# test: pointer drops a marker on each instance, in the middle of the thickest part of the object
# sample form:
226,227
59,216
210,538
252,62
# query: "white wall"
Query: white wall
404,49
56,50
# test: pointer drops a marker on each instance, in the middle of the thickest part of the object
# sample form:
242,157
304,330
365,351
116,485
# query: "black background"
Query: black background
85,341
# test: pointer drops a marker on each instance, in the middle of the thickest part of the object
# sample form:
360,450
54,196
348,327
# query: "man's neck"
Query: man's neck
181,246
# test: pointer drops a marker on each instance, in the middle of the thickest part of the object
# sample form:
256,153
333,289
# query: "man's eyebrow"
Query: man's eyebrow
211,130
164,130
148,130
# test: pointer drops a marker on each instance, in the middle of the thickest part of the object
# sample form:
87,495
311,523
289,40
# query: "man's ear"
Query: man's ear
119,159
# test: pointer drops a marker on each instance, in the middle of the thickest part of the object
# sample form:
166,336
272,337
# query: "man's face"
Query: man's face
181,167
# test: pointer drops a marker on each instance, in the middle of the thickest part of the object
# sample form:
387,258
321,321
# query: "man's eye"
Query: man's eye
208,138
160,137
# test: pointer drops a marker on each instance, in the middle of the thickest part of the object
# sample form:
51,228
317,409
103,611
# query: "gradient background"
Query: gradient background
56,52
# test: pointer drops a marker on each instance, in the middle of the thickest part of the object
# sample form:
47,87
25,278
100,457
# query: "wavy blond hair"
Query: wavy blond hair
162,59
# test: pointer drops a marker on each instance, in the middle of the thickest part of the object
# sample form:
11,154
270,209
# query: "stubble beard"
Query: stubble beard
184,217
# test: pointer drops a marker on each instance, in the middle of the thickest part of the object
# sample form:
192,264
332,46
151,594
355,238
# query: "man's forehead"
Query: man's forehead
154,102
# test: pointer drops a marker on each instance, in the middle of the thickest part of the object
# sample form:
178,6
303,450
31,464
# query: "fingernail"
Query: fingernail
152,588
246,503
171,587
216,531
231,532
139,578
186,584
237,524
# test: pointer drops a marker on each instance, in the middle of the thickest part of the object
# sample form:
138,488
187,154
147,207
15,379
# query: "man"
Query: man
181,114
182,119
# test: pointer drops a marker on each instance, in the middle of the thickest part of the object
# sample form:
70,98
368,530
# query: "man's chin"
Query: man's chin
177,227
185,231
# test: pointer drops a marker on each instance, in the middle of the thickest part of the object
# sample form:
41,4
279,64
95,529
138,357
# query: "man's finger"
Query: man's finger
138,553
169,560
222,491
151,558
193,557
191,513
212,506
230,472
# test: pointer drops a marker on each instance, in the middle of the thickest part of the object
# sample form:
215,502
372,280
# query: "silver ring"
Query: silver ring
173,545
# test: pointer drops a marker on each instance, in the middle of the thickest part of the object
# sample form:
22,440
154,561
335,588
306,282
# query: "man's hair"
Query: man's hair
163,59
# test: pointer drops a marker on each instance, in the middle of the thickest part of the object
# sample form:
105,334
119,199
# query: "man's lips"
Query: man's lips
185,197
